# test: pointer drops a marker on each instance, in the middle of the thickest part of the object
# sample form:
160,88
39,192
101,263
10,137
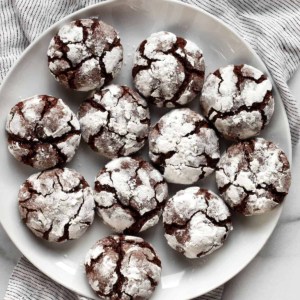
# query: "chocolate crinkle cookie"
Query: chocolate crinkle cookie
168,70
115,121
56,205
196,222
254,176
43,132
123,268
183,146
85,54
238,101
129,195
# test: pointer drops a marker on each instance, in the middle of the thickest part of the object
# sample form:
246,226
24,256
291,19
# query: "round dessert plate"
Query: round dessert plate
135,20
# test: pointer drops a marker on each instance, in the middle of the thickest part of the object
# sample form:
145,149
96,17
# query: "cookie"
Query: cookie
42,132
184,146
123,268
129,195
196,221
85,54
56,205
115,121
254,176
168,70
238,101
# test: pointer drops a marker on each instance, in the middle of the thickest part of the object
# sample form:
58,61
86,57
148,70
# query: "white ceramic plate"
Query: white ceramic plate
135,20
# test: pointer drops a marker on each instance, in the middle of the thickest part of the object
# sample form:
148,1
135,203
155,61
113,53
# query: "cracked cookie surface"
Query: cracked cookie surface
168,70
43,132
196,222
129,195
254,176
238,101
122,267
85,54
184,146
115,121
56,205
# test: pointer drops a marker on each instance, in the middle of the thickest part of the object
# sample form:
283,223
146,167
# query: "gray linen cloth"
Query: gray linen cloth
271,27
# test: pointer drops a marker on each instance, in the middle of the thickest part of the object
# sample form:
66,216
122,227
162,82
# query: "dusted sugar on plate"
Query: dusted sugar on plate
129,195
56,205
42,132
85,54
115,121
183,146
168,70
254,176
122,267
238,100
196,221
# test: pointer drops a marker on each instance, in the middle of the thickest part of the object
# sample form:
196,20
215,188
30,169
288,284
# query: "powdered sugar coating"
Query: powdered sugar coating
43,132
122,268
238,101
129,195
196,222
253,176
56,205
85,54
184,146
115,121
168,70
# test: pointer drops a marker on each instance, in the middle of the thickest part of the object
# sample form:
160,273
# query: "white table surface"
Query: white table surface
273,274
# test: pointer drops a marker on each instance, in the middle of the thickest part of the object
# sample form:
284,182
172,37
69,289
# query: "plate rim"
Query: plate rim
233,32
